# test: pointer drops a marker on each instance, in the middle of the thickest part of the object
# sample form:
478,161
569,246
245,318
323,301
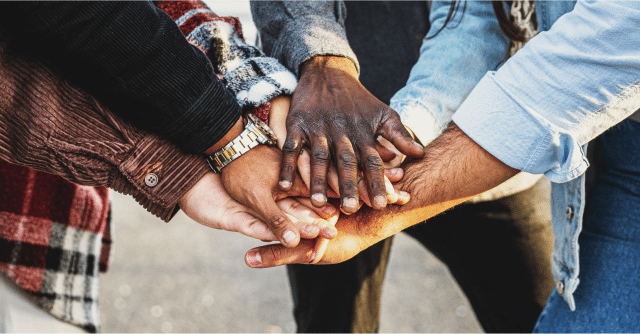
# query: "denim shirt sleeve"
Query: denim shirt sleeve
564,88
450,65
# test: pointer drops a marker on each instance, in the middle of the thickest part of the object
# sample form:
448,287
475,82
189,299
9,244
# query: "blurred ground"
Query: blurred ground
183,277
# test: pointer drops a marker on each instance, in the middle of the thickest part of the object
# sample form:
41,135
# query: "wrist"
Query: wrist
254,133
234,132
322,63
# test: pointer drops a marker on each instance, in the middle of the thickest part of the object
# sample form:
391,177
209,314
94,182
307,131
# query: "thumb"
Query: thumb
397,134
281,226
277,255
394,174
251,226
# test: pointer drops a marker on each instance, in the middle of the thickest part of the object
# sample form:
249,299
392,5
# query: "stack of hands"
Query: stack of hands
338,147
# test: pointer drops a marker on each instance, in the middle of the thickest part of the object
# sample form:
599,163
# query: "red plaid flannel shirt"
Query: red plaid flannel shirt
55,236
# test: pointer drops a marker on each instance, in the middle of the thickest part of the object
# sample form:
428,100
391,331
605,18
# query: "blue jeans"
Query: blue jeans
608,297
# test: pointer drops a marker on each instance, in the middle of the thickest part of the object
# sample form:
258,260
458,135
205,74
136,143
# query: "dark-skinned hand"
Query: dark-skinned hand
277,122
338,119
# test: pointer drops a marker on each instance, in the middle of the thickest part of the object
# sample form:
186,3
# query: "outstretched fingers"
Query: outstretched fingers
347,166
373,172
290,152
311,222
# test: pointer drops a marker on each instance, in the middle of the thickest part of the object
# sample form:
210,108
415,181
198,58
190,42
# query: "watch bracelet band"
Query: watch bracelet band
248,139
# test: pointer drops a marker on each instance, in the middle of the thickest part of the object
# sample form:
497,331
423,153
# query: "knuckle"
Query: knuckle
339,120
377,187
364,127
278,222
289,147
321,223
348,160
373,163
296,118
391,122
294,205
287,169
273,254
320,155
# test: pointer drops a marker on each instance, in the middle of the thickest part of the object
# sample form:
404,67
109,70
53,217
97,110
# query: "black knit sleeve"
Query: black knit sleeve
133,57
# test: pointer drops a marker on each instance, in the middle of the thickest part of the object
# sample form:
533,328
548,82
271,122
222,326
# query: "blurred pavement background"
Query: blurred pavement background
183,277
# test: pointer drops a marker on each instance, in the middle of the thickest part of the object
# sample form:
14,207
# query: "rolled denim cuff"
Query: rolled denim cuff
420,120
517,135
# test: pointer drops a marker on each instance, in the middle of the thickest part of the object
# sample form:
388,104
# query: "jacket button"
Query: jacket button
151,179
560,287
569,213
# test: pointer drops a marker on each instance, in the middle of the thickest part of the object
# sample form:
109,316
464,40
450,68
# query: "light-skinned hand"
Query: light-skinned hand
209,204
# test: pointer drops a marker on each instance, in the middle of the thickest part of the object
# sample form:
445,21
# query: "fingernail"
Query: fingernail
311,230
319,198
329,209
254,259
285,184
418,145
289,237
393,171
350,202
313,257
381,201
403,194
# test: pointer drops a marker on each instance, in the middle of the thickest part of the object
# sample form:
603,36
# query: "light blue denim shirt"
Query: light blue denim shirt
538,110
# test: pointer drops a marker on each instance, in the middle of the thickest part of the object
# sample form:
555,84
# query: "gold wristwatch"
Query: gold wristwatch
256,132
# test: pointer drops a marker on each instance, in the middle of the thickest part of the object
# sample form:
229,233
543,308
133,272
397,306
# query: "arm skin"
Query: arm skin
453,169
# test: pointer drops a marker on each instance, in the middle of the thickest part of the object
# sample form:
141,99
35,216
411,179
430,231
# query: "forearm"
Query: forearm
49,125
135,60
453,170
567,86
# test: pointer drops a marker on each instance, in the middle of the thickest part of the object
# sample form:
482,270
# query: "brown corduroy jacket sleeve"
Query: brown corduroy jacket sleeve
49,125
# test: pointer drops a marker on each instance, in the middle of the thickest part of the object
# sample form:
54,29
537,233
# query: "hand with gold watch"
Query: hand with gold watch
249,167
256,132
